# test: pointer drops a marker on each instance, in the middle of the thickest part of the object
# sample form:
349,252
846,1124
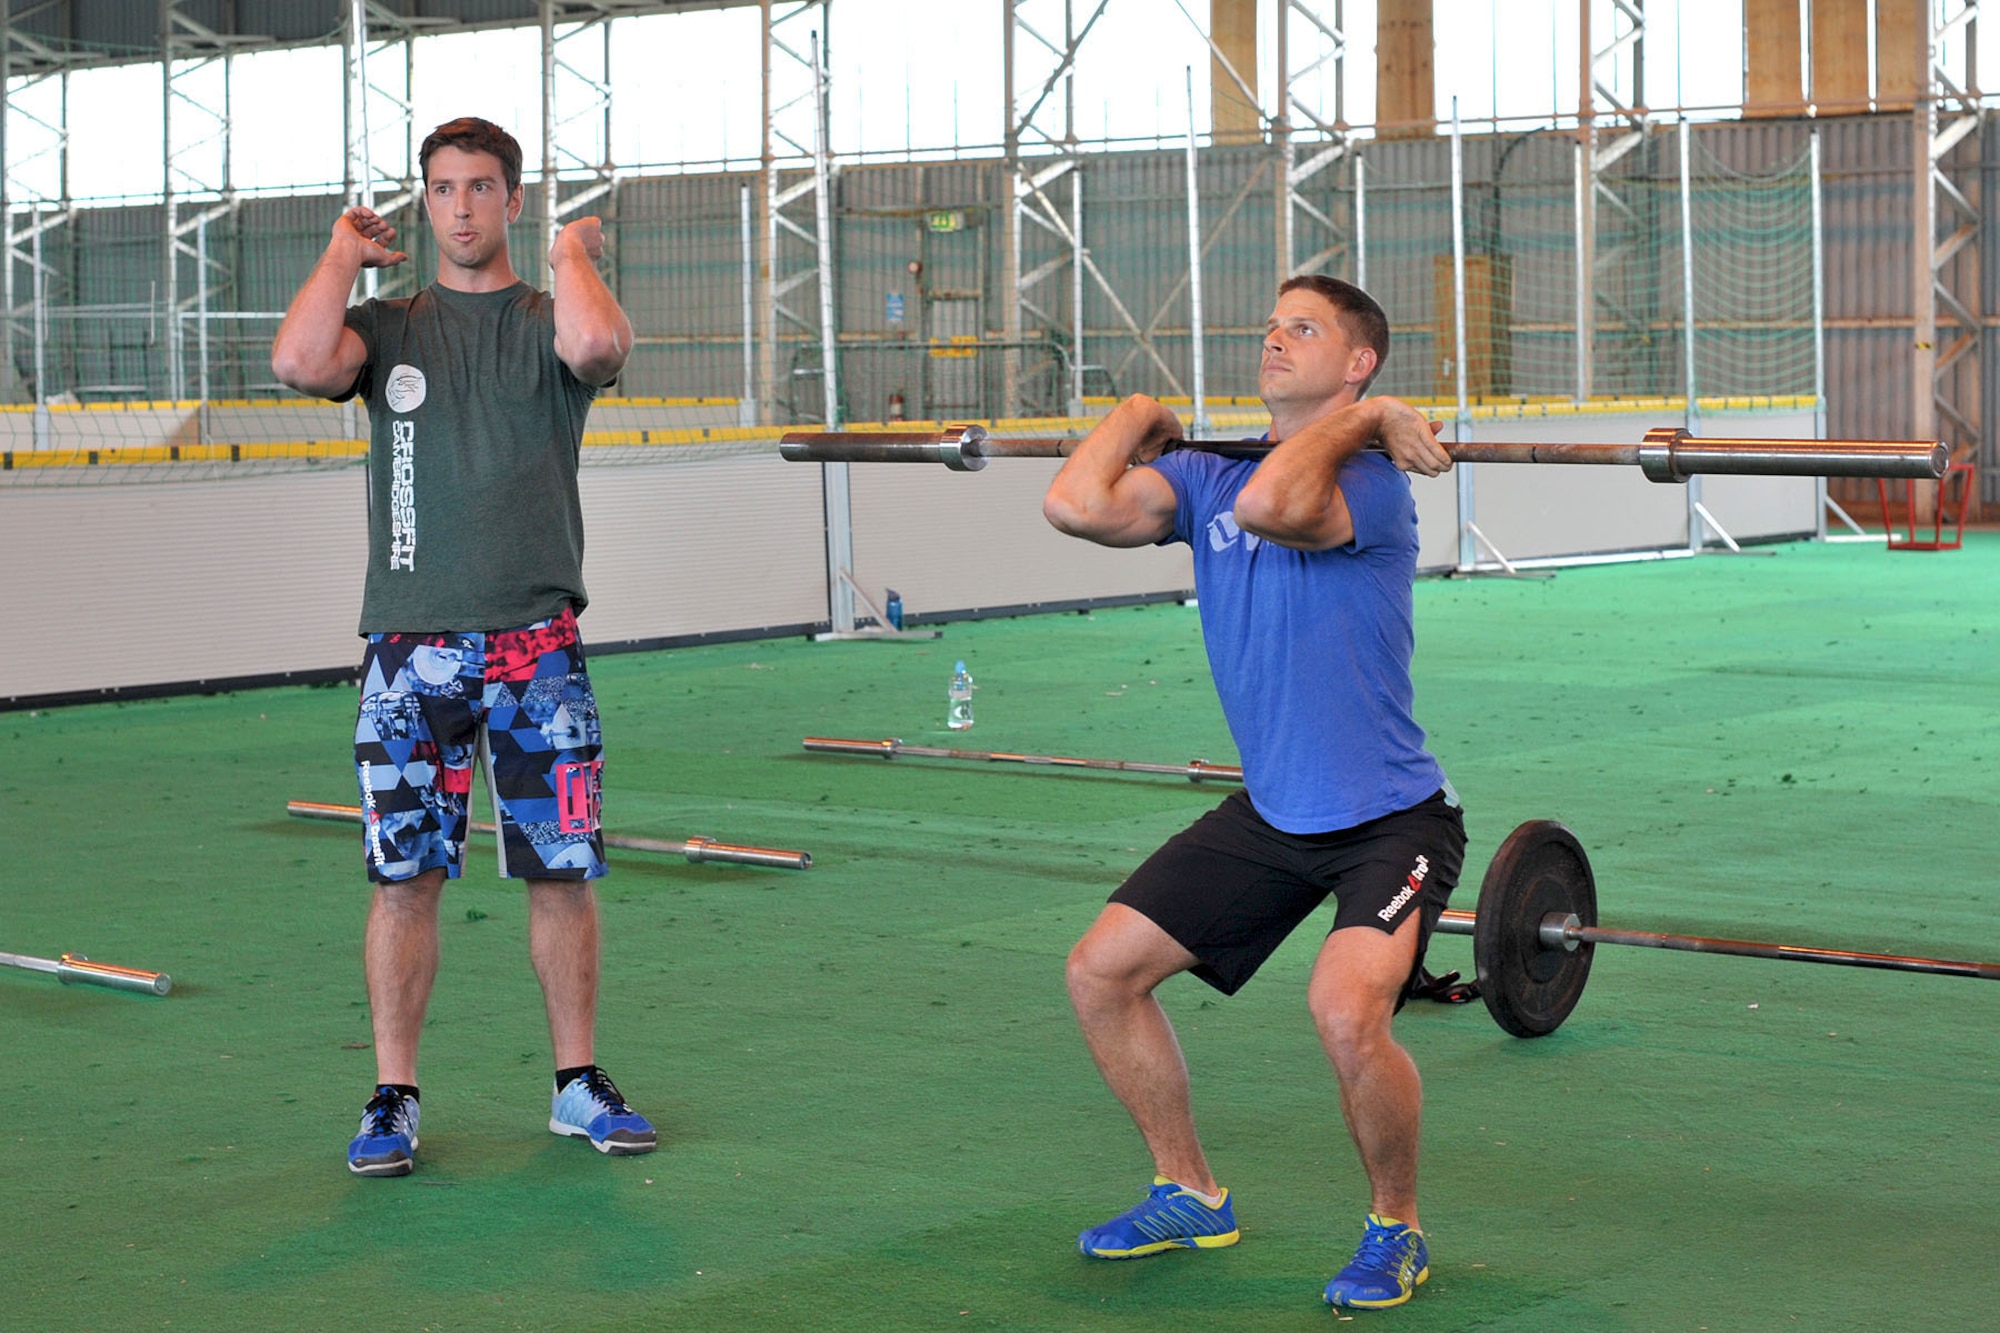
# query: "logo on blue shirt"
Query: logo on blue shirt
1223,532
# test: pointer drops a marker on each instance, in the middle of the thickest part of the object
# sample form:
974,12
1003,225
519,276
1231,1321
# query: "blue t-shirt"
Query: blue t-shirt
1311,649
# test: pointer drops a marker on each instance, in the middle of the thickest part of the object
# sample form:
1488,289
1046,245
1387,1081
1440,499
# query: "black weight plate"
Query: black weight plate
1529,987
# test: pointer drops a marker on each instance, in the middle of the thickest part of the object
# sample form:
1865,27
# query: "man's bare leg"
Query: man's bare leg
563,945
400,957
1355,982
1113,971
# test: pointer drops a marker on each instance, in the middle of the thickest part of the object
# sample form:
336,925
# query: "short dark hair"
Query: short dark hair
1361,316
470,134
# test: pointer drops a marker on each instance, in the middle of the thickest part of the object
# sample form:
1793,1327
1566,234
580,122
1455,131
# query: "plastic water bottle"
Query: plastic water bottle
958,715
894,609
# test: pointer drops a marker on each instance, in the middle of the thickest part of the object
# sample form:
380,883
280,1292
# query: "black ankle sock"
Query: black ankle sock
406,1089
565,1077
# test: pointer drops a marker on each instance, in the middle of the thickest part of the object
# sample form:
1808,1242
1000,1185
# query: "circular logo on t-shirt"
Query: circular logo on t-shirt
405,389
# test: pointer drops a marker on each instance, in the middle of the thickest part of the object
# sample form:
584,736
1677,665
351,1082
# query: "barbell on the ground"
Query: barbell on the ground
694,849
1668,453
1536,924
1536,927
1194,770
76,968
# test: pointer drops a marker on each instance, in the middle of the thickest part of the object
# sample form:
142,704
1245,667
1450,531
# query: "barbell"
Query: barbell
694,849
1668,453
1194,770
1536,928
73,967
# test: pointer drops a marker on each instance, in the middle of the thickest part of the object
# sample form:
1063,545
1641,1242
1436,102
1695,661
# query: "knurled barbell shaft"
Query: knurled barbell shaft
1194,770
694,849
1667,454
1558,931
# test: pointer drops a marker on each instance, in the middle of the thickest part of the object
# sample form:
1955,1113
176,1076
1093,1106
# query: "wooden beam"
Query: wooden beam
1840,57
1773,76
1902,52
1233,118
1405,78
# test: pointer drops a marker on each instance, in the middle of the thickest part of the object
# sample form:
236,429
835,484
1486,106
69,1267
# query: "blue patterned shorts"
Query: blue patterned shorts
517,702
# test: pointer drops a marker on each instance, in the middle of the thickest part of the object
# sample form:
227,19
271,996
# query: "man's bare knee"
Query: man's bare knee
1123,957
1091,972
417,895
1354,1027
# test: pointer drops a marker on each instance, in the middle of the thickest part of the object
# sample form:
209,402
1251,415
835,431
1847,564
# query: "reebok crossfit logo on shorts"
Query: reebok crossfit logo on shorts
1411,887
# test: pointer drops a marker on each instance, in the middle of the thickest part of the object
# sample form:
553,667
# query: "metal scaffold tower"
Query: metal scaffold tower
1305,155
1043,236
795,257
795,241
378,54
1610,124
34,200
1948,222
197,188
577,106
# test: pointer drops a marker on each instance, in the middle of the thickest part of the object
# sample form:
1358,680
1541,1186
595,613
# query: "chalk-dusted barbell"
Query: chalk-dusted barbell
1668,453
1536,926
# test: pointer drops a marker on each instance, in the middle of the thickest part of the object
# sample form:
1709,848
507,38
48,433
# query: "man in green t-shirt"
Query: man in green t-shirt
477,389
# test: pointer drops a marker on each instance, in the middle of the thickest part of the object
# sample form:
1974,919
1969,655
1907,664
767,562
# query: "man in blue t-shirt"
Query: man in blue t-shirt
1303,564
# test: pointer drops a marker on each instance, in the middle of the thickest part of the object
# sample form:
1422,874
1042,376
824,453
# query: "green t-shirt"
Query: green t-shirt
473,517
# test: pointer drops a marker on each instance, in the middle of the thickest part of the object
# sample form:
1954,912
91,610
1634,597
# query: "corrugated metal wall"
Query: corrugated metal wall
678,260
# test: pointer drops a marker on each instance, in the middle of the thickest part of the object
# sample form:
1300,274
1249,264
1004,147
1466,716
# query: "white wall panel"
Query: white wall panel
123,585
1749,508
673,549
1532,512
959,541
1437,520
159,583
1542,511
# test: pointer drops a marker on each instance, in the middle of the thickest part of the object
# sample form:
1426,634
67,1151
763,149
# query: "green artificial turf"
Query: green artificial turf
875,1113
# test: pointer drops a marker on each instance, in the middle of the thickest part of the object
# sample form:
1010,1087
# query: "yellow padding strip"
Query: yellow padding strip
1513,409
128,455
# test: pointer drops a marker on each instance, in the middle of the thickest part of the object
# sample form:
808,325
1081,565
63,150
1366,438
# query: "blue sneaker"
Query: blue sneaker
1391,1264
590,1108
387,1143
1171,1217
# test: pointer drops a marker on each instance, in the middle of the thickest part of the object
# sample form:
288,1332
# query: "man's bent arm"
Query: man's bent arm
314,350
593,336
1101,496
1294,496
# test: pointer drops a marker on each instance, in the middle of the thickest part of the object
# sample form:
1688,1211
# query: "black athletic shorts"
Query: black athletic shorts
1230,887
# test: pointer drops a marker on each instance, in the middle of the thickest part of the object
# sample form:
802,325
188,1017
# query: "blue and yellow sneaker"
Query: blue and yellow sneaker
387,1143
590,1108
1390,1265
1171,1217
